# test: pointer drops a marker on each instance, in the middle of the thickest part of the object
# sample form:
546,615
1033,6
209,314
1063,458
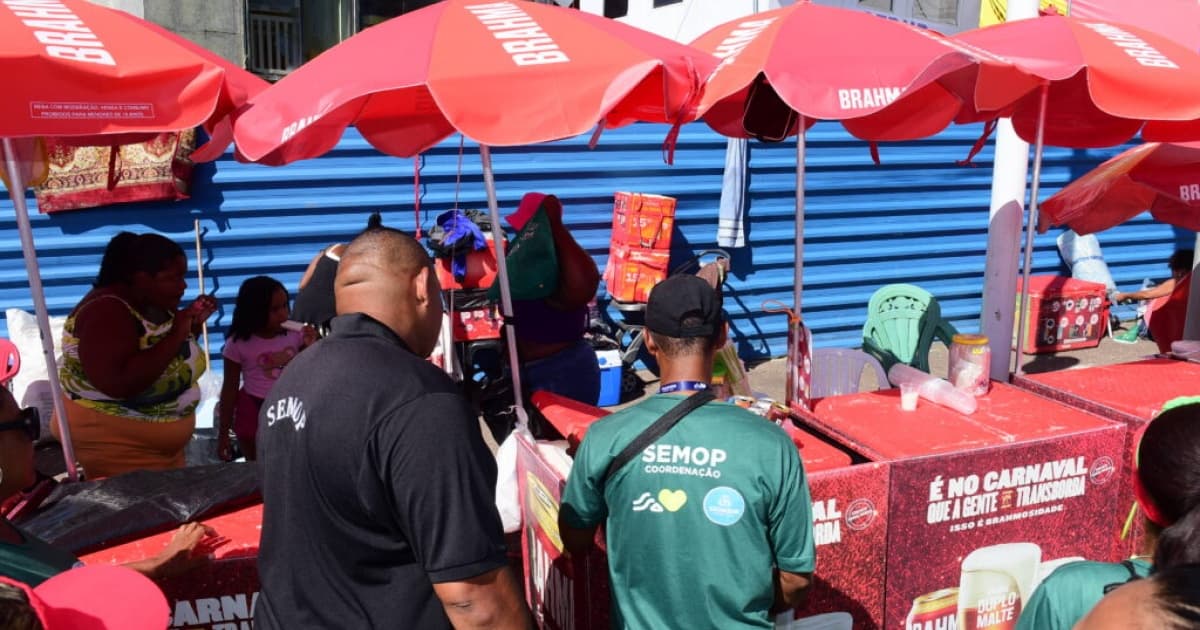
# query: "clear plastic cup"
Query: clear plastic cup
909,393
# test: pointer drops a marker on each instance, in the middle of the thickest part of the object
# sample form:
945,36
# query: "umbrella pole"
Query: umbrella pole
200,276
798,268
1033,208
506,309
17,193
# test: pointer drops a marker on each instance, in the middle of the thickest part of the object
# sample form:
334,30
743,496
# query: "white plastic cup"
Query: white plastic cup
909,393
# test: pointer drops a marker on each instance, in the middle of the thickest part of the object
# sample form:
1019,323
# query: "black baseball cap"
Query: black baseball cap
679,298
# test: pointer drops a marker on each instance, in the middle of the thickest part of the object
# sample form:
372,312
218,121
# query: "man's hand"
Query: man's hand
492,601
191,547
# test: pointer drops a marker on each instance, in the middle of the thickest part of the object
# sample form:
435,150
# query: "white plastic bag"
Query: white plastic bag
210,395
31,386
1083,255
508,500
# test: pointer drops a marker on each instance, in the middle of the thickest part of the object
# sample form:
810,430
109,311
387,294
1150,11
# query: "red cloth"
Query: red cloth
1167,315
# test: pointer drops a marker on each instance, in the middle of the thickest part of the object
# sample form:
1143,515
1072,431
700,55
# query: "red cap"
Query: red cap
101,597
530,204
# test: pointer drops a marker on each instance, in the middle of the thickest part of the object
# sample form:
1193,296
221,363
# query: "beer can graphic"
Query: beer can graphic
996,582
934,611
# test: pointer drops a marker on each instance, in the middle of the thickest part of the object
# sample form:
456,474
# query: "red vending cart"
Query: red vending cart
1130,393
982,506
850,514
220,596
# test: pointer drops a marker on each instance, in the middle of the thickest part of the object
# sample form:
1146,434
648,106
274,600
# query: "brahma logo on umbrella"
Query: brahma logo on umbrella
738,39
297,126
869,98
522,38
1133,46
61,31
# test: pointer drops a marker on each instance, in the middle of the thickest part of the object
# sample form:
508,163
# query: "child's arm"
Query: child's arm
227,407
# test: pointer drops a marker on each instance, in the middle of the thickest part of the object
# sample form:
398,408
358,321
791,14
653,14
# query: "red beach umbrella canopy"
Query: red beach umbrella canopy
1161,178
884,79
79,69
1106,80
501,73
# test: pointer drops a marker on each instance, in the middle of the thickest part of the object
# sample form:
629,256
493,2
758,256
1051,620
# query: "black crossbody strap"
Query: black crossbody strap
657,430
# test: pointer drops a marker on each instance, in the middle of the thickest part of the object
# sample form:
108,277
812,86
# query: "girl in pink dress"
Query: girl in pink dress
257,348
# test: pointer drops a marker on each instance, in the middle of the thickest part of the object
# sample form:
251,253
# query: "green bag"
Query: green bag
532,262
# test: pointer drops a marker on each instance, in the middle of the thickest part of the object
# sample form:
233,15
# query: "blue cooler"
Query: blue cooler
610,377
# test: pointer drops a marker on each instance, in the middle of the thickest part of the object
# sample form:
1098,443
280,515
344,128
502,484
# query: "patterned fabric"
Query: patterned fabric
173,396
89,177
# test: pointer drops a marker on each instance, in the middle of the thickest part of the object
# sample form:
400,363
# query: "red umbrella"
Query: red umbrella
87,70
1104,80
500,73
98,75
1101,83
813,58
793,66
1162,178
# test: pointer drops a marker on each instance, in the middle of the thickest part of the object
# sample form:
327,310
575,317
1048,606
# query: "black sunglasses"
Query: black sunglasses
29,420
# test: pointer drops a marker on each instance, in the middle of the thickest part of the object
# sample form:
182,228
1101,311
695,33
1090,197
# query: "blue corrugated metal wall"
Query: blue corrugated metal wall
916,218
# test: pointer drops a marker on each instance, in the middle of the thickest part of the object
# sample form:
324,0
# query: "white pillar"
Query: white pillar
1009,176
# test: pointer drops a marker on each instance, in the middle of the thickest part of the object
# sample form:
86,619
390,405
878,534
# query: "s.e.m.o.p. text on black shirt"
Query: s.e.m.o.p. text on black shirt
376,484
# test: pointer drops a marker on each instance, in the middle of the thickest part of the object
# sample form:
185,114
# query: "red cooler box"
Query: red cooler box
983,506
1064,314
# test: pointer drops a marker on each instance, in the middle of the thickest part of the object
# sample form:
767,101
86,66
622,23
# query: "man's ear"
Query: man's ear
422,287
651,346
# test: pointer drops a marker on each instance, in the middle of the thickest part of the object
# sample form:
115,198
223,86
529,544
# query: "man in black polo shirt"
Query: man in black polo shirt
377,485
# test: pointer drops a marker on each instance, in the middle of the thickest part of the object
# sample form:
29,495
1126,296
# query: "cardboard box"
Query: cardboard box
644,221
1064,314
633,271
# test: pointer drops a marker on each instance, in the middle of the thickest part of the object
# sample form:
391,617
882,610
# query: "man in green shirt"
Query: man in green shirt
710,526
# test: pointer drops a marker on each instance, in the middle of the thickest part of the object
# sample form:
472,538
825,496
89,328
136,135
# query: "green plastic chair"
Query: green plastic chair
902,323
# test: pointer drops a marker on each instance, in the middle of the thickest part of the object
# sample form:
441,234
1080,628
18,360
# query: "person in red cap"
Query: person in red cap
101,597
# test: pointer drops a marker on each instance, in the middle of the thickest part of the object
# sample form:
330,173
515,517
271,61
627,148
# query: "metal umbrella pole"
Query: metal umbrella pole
506,309
1033,206
798,268
17,193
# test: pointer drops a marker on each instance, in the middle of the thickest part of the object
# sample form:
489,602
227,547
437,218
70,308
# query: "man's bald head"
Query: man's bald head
388,275
381,248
